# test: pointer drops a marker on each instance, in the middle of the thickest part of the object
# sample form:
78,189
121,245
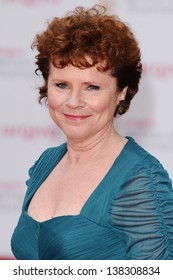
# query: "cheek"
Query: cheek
104,104
54,101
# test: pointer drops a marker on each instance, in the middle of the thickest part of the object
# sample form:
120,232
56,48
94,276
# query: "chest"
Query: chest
65,191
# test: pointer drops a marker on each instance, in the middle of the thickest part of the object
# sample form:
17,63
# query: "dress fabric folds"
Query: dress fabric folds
129,215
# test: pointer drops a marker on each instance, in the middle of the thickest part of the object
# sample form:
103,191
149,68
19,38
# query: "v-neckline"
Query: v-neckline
90,197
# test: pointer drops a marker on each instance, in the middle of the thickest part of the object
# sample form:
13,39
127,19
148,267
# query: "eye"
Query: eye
93,87
62,85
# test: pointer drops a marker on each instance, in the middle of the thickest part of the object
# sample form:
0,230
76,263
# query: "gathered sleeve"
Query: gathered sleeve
142,211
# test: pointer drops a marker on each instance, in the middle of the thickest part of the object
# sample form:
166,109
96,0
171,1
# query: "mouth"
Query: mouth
76,117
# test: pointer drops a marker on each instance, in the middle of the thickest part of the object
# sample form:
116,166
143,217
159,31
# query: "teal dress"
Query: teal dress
128,216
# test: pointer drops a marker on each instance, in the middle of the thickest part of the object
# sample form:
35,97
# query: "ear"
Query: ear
122,94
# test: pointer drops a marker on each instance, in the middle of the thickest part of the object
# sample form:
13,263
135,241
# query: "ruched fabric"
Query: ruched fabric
128,216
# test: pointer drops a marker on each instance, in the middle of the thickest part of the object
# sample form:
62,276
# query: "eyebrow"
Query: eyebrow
61,80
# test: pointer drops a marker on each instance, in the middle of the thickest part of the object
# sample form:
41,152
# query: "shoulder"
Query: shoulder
47,160
141,161
53,153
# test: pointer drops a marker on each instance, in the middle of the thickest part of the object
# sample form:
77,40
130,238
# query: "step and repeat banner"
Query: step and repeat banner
25,126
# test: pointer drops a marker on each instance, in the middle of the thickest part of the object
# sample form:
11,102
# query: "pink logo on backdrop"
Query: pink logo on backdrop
28,132
11,51
32,2
138,123
159,70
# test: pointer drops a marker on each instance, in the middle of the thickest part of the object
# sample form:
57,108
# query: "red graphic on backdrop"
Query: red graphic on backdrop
11,51
32,2
138,123
28,132
158,70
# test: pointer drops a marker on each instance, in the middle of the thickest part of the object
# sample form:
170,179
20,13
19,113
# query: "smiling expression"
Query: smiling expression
82,102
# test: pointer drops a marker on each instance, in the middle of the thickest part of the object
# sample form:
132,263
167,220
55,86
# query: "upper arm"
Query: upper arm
143,212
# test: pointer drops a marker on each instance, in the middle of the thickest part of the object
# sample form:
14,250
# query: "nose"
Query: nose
74,99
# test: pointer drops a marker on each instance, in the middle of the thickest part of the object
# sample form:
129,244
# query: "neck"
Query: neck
97,146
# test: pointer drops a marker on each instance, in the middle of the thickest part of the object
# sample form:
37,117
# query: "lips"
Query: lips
76,117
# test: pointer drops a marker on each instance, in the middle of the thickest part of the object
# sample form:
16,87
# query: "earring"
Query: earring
120,108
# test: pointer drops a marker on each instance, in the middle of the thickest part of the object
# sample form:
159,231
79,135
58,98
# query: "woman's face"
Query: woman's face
82,102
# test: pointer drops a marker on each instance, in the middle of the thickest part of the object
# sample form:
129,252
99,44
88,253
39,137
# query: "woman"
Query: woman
100,195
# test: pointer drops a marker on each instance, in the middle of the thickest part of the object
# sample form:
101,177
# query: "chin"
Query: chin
76,136
75,131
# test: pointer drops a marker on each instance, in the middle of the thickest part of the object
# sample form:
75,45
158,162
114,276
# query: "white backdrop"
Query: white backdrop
25,127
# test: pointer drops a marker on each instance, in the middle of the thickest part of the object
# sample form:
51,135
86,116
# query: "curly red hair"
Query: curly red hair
91,33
